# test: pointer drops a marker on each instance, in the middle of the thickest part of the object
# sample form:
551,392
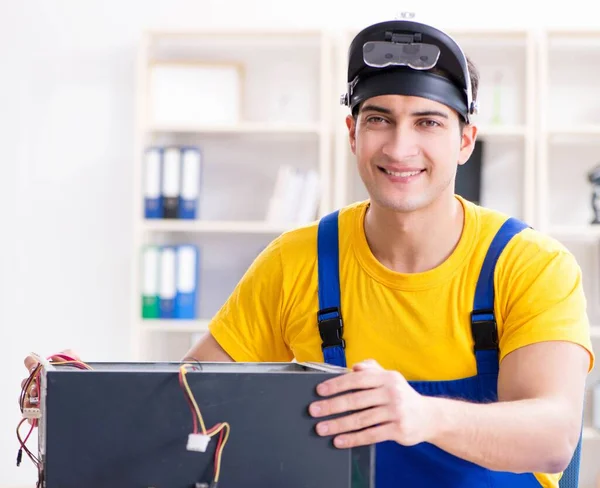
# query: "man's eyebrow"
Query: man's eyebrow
420,113
376,108
430,113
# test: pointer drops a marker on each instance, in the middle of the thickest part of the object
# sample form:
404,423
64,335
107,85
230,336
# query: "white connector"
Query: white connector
43,361
198,442
32,413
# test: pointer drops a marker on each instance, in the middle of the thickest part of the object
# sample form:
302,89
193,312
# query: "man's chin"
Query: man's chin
404,204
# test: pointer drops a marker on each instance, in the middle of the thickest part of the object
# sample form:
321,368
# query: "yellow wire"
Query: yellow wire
193,400
72,362
218,471
223,425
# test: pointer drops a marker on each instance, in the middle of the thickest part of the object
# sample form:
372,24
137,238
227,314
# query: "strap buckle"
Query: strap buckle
331,327
484,329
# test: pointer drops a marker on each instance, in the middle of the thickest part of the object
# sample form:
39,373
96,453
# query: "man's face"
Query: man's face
408,149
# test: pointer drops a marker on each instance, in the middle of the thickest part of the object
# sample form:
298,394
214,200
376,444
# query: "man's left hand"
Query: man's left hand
385,407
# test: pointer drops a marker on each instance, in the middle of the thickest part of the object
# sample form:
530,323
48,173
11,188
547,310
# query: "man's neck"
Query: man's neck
417,241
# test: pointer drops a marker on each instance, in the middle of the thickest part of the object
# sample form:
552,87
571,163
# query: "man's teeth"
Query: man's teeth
403,174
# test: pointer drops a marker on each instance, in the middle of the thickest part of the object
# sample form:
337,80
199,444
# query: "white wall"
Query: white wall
66,126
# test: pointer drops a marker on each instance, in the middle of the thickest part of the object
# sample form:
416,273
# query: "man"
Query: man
466,332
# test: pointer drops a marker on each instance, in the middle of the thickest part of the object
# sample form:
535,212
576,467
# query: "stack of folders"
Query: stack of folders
170,278
172,182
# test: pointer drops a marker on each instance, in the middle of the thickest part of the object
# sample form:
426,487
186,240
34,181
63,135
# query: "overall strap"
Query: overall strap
483,321
329,316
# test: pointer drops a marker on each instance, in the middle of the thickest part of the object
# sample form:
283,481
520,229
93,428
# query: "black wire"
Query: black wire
190,359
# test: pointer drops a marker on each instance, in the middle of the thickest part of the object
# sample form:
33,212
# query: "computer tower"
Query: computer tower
126,425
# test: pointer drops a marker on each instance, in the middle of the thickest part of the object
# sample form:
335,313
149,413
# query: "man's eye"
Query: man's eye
429,123
375,119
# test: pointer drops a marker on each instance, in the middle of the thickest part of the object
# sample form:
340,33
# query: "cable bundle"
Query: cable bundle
222,428
32,413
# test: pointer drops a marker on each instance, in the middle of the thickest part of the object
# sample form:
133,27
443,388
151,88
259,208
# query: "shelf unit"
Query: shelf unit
251,128
280,123
178,326
215,227
568,147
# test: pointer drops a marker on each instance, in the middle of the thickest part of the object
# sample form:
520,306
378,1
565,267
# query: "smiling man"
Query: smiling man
465,331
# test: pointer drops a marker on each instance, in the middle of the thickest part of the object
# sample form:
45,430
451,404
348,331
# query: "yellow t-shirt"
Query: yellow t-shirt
417,324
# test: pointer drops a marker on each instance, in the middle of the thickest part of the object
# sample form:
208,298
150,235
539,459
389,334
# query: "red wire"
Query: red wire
218,449
62,356
77,363
190,404
34,378
22,442
30,431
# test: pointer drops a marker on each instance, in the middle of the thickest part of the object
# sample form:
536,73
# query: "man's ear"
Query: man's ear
467,143
351,124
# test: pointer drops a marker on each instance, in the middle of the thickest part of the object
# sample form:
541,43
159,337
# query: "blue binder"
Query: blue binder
186,299
191,170
167,289
152,181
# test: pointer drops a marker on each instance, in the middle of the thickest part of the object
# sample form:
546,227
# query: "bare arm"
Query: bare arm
535,426
208,349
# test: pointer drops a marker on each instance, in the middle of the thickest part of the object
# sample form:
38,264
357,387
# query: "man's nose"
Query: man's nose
402,144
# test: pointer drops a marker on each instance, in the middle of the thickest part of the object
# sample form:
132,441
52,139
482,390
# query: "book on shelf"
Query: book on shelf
170,282
150,282
152,183
295,198
172,180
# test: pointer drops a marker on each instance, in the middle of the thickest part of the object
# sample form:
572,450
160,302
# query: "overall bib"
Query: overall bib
425,465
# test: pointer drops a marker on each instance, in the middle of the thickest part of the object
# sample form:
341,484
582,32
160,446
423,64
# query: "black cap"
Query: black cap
367,80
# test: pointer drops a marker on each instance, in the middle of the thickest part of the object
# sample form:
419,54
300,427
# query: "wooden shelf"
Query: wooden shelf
215,227
575,231
243,128
557,134
502,131
158,325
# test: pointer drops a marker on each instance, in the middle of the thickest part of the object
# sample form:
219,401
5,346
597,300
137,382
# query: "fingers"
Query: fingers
30,363
348,403
365,437
32,390
351,381
354,422
367,364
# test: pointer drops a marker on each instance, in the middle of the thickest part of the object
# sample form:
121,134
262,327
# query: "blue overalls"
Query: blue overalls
425,465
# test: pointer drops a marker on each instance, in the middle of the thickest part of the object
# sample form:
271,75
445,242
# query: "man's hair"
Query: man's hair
473,74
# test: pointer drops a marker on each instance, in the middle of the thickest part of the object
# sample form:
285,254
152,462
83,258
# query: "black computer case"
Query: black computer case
126,425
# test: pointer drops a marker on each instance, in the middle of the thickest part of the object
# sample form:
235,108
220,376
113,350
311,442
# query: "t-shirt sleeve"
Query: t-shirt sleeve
546,302
248,326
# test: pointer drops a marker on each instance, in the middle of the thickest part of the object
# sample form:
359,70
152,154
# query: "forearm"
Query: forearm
520,436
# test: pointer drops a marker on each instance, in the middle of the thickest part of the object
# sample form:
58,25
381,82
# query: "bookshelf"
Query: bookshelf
568,147
281,118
